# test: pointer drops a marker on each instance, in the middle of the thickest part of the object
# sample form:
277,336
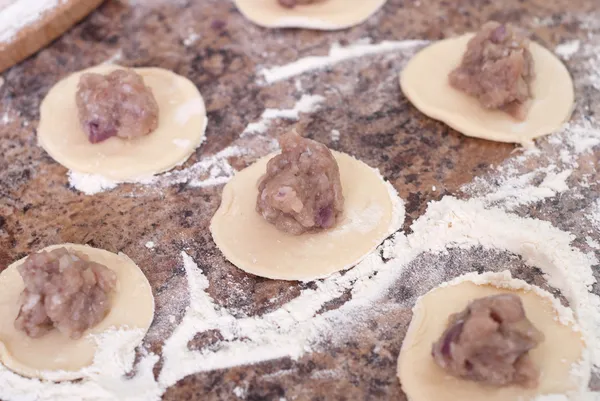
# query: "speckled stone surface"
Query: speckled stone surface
212,44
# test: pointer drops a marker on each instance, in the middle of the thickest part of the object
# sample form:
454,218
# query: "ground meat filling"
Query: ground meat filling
489,342
117,104
294,3
63,290
497,69
301,190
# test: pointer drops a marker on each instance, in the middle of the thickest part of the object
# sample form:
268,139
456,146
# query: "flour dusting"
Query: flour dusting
592,243
337,54
522,189
594,216
209,171
240,392
568,49
90,184
191,39
583,136
117,56
306,104
515,184
189,109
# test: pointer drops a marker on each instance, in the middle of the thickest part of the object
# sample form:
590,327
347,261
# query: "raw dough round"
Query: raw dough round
181,125
257,247
328,16
132,308
423,380
425,83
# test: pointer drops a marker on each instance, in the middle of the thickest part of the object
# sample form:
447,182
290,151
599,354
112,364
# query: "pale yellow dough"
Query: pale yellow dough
423,380
132,308
424,81
257,247
181,126
326,15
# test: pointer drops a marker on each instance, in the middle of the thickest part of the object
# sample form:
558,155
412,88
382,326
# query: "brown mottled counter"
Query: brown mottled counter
209,42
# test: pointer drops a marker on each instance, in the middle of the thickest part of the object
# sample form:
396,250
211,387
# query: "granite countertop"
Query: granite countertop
209,42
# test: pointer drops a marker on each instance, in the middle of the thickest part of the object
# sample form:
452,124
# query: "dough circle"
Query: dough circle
132,308
329,15
251,243
181,125
423,380
424,81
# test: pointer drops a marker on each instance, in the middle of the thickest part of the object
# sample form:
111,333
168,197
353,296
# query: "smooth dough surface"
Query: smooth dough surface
132,308
423,380
251,243
181,125
425,83
328,15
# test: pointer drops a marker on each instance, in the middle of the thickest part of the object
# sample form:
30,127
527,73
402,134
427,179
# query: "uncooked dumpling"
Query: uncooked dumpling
251,243
557,356
322,15
425,83
181,126
132,308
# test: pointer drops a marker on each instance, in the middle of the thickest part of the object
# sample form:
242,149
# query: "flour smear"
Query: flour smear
337,54
487,220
